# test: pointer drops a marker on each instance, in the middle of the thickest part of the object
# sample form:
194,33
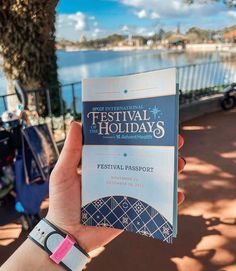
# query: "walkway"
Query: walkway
207,221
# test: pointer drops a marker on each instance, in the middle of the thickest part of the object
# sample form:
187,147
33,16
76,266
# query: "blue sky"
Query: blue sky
98,18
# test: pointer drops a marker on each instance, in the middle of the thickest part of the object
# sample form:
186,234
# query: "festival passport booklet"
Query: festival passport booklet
130,153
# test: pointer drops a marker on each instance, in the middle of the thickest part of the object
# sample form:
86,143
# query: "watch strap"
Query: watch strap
61,247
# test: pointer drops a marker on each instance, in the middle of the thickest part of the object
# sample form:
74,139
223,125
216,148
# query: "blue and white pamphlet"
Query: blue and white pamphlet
130,153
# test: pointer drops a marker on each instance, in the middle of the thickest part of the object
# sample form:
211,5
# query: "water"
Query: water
75,66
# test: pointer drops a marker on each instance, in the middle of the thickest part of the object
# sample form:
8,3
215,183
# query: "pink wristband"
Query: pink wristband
62,250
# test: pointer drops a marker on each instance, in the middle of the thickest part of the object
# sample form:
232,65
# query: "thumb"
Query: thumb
71,153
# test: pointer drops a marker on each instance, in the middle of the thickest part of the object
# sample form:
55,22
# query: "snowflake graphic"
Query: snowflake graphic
125,220
105,224
156,112
165,231
145,232
138,207
98,203
84,216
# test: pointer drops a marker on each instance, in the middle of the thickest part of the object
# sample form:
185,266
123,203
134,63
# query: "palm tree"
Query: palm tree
27,43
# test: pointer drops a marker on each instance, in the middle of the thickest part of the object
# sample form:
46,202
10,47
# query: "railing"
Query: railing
205,79
195,81
70,107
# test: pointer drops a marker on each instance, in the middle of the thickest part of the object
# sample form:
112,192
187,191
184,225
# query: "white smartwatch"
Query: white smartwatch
62,248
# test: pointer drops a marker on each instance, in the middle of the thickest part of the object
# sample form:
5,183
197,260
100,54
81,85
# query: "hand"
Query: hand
65,195
181,165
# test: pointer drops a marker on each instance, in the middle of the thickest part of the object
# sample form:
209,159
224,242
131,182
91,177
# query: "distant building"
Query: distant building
82,39
178,29
230,36
150,43
131,42
178,41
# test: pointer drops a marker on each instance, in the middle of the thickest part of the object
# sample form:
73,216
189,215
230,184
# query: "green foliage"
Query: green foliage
141,38
230,28
198,34
169,34
99,43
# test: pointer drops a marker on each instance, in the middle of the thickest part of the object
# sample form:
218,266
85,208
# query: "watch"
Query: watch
61,247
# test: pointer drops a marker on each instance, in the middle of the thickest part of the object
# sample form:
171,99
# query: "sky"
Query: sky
99,18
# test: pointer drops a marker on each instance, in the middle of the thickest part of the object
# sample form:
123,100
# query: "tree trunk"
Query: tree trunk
27,44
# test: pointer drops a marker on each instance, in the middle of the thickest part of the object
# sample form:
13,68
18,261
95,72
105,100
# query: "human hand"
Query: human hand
65,195
181,165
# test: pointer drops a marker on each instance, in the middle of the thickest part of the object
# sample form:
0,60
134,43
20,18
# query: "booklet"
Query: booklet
130,153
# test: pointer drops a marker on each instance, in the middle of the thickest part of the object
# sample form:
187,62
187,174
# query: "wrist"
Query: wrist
74,230
30,257
61,247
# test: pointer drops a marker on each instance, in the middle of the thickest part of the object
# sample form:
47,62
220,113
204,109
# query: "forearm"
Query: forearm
30,257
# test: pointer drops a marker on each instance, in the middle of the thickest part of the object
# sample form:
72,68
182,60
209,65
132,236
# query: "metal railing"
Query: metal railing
205,79
69,103
195,81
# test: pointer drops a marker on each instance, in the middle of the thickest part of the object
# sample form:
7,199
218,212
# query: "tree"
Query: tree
27,43
198,34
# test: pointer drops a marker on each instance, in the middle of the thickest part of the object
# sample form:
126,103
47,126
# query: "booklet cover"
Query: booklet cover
130,152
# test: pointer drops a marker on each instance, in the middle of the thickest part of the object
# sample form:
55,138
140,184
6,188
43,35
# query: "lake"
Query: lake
74,66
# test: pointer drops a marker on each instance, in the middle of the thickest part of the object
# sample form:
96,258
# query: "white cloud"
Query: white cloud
96,32
125,28
154,15
134,3
135,30
141,14
150,34
80,20
72,26
231,13
141,31
173,8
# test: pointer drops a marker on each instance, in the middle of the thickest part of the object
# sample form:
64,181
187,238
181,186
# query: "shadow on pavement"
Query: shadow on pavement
131,252
207,221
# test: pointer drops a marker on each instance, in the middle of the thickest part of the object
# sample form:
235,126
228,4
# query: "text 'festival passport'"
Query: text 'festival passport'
129,166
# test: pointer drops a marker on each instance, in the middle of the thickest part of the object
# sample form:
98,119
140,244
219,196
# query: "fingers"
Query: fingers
181,197
71,153
181,141
181,164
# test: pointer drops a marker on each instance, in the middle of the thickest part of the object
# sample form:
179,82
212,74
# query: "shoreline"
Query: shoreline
198,47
